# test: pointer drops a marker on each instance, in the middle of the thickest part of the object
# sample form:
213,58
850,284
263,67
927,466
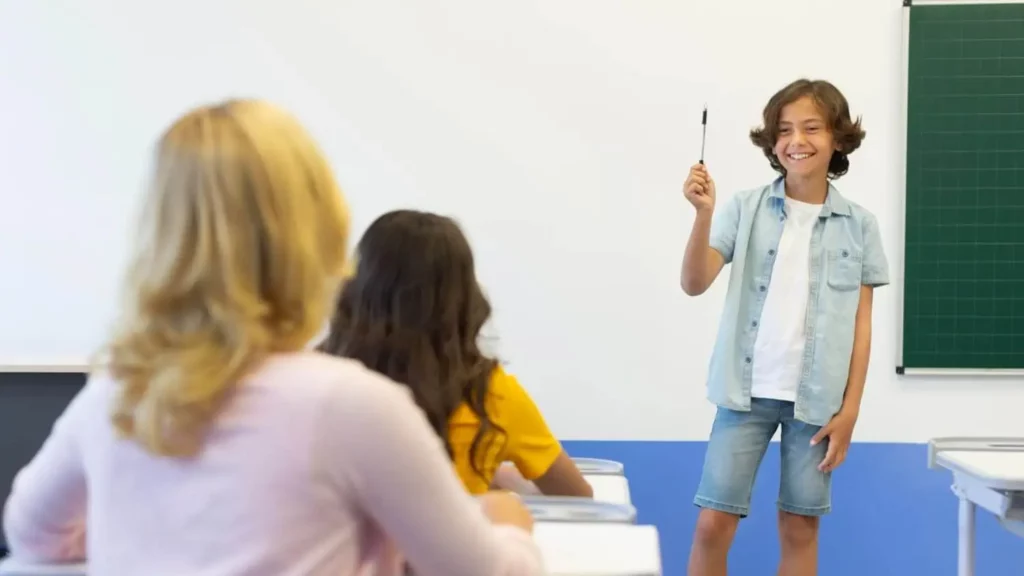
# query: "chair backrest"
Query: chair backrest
597,467
608,488
578,510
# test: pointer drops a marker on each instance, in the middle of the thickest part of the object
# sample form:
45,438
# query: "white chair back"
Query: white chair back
598,466
614,489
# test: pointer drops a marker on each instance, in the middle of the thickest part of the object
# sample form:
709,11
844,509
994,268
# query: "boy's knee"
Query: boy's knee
798,531
715,529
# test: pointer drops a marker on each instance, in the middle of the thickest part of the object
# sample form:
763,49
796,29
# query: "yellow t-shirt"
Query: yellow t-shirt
527,442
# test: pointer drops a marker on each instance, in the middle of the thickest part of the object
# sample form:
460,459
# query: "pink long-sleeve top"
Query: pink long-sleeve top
317,466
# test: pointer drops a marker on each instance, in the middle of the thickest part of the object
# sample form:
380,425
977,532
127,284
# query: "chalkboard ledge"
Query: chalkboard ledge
960,372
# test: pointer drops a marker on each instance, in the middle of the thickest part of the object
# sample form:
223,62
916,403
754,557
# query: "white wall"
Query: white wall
558,131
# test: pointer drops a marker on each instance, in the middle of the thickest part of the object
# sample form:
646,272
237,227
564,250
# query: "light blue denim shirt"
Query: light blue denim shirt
846,253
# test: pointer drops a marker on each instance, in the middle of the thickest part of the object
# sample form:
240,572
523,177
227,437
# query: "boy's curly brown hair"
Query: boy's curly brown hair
846,131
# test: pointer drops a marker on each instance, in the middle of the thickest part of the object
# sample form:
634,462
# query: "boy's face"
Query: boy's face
805,144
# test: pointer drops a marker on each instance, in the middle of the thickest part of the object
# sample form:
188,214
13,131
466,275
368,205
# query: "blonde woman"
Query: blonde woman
209,441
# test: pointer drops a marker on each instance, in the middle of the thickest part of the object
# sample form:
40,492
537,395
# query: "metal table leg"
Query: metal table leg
965,556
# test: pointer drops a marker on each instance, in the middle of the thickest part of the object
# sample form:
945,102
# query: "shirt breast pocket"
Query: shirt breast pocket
845,269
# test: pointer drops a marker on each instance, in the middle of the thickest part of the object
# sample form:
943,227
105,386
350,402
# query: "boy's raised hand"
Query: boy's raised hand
699,188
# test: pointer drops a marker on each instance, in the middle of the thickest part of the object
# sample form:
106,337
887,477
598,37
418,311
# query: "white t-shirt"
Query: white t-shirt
779,349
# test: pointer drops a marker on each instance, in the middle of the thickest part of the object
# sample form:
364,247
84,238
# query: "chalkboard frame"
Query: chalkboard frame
901,369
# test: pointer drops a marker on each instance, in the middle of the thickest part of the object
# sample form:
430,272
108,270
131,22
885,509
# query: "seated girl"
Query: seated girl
413,311
208,441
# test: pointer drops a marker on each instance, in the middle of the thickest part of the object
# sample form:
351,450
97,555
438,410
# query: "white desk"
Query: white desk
599,549
569,549
987,473
11,568
575,510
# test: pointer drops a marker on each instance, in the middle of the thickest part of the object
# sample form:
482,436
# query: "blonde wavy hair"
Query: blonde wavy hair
242,241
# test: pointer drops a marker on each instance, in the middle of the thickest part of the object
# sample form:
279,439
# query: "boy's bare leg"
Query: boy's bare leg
711,542
798,536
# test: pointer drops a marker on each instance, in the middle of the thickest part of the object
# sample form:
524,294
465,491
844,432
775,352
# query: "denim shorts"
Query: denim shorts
737,445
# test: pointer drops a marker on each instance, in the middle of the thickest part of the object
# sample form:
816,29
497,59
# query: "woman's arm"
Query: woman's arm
45,515
382,449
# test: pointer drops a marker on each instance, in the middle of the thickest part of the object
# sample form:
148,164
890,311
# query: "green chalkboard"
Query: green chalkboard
963,305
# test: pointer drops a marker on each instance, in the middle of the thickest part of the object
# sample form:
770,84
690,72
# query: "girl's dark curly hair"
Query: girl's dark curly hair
413,311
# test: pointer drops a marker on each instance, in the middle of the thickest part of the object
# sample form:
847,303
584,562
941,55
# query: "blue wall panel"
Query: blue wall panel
891,515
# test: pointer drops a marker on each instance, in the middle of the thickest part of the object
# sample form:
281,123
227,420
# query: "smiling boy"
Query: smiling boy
795,333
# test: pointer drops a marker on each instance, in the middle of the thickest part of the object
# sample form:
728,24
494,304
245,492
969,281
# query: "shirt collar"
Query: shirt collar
835,204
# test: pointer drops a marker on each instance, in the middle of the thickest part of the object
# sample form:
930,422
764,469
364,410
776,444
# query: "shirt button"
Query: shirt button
771,252
754,323
747,359
845,253
762,288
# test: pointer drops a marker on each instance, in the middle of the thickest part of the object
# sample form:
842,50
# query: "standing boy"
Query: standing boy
795,334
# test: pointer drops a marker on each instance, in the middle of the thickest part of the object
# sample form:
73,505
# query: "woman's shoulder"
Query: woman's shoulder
324,374
312,365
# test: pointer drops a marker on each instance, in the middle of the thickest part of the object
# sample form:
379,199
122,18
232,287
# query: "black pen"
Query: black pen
703,132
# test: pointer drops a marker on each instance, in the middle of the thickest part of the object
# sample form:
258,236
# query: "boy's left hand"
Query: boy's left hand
839,431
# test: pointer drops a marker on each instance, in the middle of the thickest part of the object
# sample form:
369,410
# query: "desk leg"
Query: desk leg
966,539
